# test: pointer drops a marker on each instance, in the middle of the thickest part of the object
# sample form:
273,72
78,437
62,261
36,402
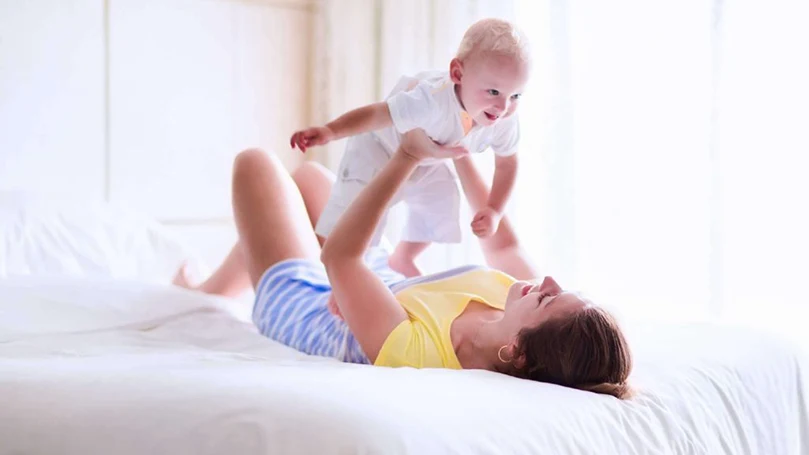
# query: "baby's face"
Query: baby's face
490,86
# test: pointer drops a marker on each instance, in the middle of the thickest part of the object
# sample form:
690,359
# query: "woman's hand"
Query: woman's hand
417,146
365,302
333,308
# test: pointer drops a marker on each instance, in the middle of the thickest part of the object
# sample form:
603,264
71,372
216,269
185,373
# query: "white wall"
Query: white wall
145,102
52,95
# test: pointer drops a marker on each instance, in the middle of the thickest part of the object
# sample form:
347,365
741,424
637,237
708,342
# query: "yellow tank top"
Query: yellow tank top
423,340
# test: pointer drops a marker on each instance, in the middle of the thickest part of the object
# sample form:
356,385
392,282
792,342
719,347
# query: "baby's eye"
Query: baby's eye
516,96
494,92
541,296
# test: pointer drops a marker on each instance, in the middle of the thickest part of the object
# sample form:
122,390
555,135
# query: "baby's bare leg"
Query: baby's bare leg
403,259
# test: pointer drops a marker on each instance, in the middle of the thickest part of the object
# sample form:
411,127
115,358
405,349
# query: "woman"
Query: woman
472,317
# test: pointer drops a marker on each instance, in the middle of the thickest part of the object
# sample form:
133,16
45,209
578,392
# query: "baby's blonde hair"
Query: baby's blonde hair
493,36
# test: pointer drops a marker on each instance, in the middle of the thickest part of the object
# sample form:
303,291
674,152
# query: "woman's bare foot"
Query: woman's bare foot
183,277
405,266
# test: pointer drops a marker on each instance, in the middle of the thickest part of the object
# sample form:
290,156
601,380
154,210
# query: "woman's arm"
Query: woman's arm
366,303
502,250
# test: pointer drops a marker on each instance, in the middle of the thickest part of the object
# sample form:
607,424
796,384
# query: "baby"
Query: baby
472,105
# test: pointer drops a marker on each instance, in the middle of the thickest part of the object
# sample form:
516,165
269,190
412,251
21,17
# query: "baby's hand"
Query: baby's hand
486,222
310,137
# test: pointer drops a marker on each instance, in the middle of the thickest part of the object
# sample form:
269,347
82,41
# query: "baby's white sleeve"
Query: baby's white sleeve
414,108
506,136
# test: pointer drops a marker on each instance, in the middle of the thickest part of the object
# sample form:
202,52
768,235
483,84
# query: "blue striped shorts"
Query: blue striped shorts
290,307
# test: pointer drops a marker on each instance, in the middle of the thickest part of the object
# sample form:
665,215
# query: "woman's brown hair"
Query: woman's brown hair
585,350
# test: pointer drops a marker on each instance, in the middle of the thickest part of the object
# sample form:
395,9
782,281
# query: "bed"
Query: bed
116,361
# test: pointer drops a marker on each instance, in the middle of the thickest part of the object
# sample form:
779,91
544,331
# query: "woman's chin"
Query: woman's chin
514,293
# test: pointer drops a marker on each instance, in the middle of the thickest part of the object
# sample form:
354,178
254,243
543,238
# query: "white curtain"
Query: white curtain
343,65
664,149
665,153
763,154
362,47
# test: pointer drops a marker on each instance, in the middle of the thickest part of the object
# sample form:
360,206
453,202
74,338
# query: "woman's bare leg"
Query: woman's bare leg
314,183
231,278
282,238
270,214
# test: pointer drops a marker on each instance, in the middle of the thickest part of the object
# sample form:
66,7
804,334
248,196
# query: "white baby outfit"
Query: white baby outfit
427,101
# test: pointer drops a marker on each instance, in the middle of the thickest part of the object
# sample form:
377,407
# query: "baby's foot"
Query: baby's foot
405,266
183,277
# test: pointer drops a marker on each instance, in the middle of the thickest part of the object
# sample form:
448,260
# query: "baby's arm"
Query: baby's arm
367,118
361,120
488,218
505,174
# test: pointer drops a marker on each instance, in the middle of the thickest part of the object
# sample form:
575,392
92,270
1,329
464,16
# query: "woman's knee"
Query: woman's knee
314,182
310,171
250,159
255,164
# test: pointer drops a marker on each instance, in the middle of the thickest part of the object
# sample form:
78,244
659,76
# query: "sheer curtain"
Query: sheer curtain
664,155
344,67
763,151
664,144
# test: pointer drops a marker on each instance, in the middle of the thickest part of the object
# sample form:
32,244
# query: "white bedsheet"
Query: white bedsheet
129,368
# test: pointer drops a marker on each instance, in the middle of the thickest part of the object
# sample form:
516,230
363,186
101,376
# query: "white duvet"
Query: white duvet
117,368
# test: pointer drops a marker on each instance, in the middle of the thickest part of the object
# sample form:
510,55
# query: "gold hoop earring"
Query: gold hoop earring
500,354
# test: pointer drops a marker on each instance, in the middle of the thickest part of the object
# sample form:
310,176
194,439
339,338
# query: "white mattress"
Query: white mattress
128,368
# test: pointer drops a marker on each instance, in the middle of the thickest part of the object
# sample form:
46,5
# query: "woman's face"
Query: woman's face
529,304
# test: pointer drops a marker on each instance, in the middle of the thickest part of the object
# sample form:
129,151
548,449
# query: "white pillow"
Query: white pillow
42,235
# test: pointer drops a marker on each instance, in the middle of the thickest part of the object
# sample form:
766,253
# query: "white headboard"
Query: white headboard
145,102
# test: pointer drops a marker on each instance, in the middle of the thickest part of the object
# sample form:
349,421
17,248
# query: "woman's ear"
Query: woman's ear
517,359
456,71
